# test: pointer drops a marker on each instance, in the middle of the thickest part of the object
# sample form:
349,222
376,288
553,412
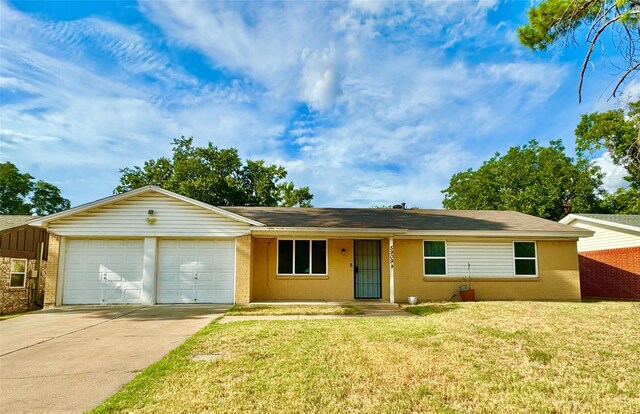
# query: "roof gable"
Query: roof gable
43,221
622,221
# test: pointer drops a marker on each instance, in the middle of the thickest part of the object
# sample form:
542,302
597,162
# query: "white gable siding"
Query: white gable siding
606,237
174,218
486,259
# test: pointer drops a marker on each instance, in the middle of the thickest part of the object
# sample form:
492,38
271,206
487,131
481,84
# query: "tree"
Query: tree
217,177
622,201
555,21
541,181
16,188
46,199
618,133
615,131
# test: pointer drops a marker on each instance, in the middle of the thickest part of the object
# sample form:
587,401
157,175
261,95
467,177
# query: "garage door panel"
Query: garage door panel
103,271
135,294
187,244
82,297
211,260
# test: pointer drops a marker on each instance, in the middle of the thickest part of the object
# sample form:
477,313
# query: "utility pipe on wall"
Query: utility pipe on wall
391,273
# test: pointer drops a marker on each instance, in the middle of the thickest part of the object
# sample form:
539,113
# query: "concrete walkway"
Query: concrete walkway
70,359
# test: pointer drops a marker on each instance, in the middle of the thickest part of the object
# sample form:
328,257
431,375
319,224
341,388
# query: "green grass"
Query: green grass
263,310
12,315
430,309
484,357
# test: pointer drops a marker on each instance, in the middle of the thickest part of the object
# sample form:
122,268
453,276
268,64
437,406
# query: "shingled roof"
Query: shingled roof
8,221
412,219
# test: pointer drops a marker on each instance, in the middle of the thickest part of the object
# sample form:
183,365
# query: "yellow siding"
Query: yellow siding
557,267
337,286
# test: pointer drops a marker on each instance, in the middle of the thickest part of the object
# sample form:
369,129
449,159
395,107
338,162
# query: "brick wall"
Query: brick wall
613,273
13,300
51,271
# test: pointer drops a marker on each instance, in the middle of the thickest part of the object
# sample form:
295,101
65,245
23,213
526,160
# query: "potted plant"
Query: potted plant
467,294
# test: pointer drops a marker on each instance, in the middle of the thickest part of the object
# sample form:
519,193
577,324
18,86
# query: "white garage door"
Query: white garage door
103,271
195,271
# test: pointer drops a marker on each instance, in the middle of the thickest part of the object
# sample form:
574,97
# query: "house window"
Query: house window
524,254
302,257
435,258
18,273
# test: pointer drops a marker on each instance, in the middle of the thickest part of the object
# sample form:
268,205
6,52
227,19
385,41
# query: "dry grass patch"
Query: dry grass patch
279,310
486,357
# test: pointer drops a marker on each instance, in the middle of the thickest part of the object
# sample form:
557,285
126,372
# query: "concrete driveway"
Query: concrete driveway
72,358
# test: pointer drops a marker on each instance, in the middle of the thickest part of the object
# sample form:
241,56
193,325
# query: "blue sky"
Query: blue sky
367,103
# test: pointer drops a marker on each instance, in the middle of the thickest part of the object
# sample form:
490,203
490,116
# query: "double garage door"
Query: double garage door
110,271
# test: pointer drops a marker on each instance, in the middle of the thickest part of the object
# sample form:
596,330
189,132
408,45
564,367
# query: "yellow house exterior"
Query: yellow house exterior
152,246
558,277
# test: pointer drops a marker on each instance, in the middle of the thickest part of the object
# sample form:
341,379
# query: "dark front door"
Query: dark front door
367,269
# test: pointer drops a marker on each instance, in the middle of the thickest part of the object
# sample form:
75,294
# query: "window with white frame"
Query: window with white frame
524,255
18,273
435,258
302,257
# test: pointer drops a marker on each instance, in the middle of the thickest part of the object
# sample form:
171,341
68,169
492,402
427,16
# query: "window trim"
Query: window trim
445,257
24,274
296,275
534,258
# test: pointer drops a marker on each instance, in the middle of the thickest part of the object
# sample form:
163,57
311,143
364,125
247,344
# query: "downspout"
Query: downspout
391,273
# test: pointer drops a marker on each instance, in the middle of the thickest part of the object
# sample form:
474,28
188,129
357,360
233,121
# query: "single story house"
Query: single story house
610,260
24,252
151,246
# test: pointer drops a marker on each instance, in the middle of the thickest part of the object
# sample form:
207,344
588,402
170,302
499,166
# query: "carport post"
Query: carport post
149,270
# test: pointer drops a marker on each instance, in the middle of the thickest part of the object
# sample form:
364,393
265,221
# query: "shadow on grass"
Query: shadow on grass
431,309
275,310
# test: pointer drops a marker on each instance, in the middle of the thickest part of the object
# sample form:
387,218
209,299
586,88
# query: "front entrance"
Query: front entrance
367,276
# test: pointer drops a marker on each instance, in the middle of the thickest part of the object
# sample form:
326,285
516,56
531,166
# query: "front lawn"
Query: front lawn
263,310
486,357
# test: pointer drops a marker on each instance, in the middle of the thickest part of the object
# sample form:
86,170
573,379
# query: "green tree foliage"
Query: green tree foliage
46,199
217,177
586,23
536,180
20,195
14,190
617,132
622,201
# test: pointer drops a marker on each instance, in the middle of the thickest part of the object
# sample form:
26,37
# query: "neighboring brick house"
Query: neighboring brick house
24,257
610,260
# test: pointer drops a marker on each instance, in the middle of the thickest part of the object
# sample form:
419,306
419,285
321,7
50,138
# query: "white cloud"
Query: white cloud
614,174
321,77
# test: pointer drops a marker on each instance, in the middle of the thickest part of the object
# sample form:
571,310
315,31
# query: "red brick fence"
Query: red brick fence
613,273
